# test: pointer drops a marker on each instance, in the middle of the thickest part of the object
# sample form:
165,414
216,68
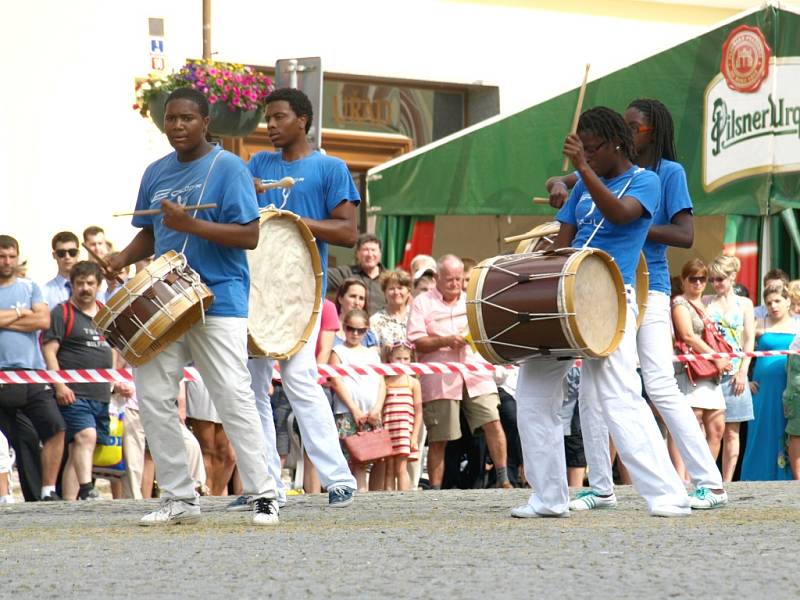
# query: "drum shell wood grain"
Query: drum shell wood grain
167,297
557,335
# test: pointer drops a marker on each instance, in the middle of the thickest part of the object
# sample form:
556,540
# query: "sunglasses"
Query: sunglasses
716,279
635,128
694,279
403,344
73,252
356,330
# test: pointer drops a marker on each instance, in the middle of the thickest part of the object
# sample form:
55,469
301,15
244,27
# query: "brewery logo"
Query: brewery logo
745,59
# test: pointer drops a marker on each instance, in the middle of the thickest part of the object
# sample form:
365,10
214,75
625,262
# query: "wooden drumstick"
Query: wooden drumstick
157,211
103,264
263,186
540,200
577,114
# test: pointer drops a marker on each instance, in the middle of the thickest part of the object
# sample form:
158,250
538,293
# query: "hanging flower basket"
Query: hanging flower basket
236,95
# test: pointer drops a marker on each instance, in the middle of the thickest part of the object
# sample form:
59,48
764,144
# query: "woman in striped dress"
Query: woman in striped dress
402,416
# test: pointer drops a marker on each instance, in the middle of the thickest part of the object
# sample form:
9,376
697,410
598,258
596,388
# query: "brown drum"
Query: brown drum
542,237
568,303
154,309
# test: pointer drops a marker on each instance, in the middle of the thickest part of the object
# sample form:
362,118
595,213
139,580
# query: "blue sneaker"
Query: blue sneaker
241,503
339,497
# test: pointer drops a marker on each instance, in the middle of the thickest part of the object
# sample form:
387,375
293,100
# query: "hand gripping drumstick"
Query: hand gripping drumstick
576,116
103,264
263,186
157,211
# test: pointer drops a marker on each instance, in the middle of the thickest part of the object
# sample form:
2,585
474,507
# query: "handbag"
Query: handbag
703,368
367,446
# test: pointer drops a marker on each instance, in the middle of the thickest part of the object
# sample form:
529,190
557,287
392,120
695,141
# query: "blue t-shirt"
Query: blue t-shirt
20,350
321,184
222,268
674,199
622,242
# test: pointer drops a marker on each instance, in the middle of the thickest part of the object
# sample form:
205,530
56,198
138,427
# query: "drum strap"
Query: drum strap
186,241
620,195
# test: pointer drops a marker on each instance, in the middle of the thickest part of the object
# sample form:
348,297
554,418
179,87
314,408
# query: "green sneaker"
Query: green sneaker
591,499
704,498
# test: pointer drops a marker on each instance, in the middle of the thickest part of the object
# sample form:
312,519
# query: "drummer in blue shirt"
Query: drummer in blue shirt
610,208
654,138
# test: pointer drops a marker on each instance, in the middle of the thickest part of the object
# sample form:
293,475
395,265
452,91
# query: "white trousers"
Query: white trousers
5,455
656,360
311,410
617,392
218,349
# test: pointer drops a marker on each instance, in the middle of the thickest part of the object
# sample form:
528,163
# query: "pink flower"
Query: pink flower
212,71
219,81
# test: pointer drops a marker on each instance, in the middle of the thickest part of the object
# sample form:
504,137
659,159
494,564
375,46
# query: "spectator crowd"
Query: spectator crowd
446,431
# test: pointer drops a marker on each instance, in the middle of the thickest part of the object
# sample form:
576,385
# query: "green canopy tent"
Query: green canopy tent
734,93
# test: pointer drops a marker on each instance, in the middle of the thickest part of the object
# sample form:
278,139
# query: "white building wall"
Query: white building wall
74,150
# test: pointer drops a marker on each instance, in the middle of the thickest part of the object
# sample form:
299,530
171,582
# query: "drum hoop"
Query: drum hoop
474,317
316,265
565,295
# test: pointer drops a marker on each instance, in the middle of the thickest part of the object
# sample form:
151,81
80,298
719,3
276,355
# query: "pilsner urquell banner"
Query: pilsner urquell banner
733,92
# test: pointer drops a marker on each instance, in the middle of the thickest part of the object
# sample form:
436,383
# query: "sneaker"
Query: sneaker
265,511
52,497
668,510
591,499
242,503
526,512
704,498
172,512
7,499
339,497
92,494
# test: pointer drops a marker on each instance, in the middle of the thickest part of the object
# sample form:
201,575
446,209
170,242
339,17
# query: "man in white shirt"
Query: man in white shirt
65,252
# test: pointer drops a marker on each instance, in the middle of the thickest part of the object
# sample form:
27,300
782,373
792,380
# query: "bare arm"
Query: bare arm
325,342
31,320
376,411
566,234
416,391
340,389
64,395
141,246
618,211
235,235
339,229
558,187
430,343
682,321
679,233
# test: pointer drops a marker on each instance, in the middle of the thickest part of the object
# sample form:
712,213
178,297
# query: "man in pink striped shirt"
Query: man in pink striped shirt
437,324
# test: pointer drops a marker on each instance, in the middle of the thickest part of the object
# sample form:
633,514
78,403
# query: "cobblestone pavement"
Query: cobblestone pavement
450,544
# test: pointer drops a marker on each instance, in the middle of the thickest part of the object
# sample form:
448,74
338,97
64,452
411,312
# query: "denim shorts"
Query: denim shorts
87,414
737,408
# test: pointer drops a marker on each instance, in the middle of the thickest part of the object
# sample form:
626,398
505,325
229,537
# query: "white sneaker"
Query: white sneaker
668,510
7,499
526,512
704,498
172,512
265,511
590,499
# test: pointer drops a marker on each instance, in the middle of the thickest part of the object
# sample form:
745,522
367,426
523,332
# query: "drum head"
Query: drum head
595,300
285,286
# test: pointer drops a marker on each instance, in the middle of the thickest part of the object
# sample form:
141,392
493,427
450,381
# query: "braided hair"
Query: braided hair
663,136
610,127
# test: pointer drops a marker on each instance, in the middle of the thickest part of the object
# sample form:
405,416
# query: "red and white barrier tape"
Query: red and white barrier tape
190,373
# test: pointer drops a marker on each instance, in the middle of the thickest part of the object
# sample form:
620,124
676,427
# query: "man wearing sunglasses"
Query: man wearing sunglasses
65,252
